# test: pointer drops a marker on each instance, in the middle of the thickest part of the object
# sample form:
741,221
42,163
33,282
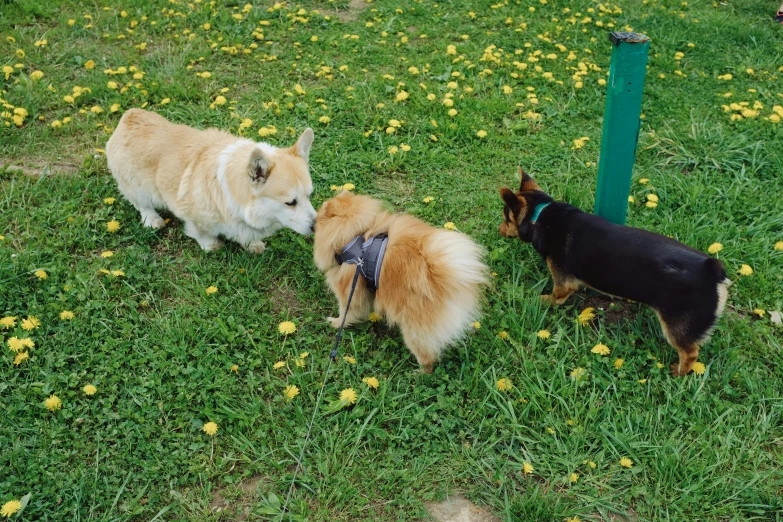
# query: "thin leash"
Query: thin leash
332,356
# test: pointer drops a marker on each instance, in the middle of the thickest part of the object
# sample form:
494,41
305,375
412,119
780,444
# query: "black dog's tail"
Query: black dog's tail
714,270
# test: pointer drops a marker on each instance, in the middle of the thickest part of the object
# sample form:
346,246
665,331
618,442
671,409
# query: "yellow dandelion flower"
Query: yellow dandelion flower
349,359
348,396
503,335
210,428
113,226
278,365
401,96
107,253
715,248
586,315
618,363
652,197
349,186
53,403
428,199
21,357
393,150
89,64
778,246
36,75
10,508
66,315
117,273
544,334
699,368
109,201
286,327
31,323
476,325
324,119
481,134
527,468
642,381
8,322
89,389
760,312
626,462
601,349
234,368
504,384
573,478
372,382
211,290
591,464
375,317
644,181
15,344
651,204
578,373
41,274
573,519
450,225
745,270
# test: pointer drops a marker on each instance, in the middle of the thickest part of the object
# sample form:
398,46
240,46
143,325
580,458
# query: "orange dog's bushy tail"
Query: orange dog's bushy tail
434,280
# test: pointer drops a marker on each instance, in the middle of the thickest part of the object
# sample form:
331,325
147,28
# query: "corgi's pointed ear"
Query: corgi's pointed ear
303,145
511,200
259,167
526,182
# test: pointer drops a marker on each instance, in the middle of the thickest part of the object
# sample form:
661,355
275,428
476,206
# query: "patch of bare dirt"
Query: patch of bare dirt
283,297
614,310
39,168
237,500
352,12
459,509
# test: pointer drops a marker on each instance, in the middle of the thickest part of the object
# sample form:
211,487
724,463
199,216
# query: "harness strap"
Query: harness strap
367,255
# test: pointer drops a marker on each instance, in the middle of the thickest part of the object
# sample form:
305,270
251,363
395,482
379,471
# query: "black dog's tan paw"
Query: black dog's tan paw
546,299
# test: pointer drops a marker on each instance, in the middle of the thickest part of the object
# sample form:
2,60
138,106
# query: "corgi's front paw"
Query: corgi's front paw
256,247
334,322
209,245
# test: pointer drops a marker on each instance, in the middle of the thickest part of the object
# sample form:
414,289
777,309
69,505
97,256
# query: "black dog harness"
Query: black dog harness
367,255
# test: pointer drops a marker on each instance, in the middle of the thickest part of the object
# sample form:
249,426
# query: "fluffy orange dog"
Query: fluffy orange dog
430,281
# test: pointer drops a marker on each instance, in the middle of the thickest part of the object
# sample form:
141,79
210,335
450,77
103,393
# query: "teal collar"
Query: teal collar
537,211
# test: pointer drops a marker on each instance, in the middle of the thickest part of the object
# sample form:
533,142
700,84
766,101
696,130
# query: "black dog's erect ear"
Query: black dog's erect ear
511,200
526,182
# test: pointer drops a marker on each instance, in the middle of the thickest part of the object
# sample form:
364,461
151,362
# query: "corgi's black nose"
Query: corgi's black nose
312,227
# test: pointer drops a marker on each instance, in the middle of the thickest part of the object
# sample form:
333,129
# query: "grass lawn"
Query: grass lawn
397,93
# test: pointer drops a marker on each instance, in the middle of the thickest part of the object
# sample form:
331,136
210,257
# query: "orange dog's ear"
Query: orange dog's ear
511,200
325,210
526,182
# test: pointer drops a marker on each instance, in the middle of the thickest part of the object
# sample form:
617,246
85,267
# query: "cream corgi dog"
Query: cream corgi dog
216,183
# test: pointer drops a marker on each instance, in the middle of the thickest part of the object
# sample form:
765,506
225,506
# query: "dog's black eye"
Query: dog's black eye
291,203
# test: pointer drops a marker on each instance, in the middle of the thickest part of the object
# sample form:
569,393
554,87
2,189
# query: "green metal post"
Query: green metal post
621,124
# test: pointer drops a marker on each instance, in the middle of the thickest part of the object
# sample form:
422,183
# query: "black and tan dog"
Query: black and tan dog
687,288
